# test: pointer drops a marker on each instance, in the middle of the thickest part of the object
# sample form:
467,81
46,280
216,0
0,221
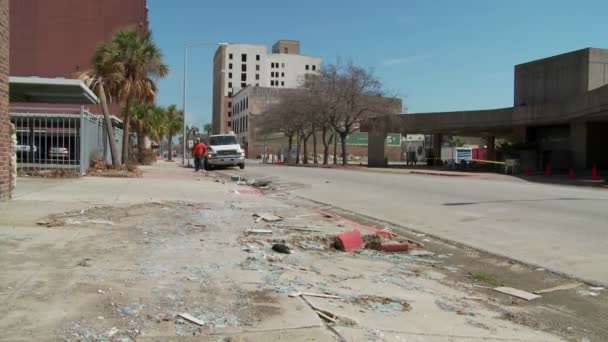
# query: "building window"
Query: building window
230,56
307,67
272,82
257,68
243,77
257,76
244,57
243,85
247,102
314,67
257,57
229,124
257,84
229,104
282,74
243,67
282,83
229,75
229,113
229,84
230,66
229,94
246,122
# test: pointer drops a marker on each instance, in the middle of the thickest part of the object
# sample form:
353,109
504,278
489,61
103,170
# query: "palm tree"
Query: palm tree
175,119
208,128
141,64
104,78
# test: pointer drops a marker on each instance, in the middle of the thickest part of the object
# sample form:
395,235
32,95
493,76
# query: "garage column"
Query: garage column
578,144
491,147
375,148
437,144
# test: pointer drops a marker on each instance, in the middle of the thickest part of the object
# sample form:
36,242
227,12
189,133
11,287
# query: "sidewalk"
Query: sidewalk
121,258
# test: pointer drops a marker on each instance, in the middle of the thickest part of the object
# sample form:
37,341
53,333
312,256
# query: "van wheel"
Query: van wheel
242,166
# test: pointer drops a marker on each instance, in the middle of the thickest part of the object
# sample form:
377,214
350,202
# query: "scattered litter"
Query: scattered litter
516,293
267,217
349,241
258,183
258,231
129,311
558,288
281,248
301,229
100,317
383,304
107,222
112,332
84,262
421,253
320,295
473,298
540,269
426,240
100,291
235,178
451,269
191,319
588,293
599,288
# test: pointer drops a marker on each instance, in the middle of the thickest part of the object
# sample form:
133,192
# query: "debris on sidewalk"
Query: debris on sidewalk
191,319
267,217
516,293
382,304
258,183
558,288
320,295
258,231
281,248
349,241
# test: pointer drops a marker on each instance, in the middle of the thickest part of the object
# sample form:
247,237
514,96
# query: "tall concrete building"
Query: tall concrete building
236,66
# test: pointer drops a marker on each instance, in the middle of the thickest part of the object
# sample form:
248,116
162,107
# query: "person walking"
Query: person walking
198,150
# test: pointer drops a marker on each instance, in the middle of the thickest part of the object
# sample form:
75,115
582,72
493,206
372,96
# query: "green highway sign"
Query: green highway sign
360,138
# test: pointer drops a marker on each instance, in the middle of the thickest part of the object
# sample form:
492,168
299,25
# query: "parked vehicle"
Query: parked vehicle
224,150
59,153
22,149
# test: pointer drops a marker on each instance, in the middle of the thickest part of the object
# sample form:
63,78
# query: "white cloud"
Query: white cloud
402,60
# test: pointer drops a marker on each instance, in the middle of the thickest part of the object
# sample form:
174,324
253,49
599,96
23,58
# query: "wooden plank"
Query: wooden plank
567,286
517,293
320,295
324,316
259,231
191,319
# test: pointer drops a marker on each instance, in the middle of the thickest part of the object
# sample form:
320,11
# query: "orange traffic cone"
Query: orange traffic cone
548,170
527,172
594,175
572,175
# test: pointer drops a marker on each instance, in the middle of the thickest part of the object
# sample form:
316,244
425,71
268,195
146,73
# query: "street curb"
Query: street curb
410,231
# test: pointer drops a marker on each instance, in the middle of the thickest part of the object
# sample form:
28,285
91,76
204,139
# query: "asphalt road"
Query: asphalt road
557,227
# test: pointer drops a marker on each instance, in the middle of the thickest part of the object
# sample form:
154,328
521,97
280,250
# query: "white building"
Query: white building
237,66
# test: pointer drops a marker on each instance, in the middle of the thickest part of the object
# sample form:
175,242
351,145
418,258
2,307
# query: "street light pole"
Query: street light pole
184,142
185,133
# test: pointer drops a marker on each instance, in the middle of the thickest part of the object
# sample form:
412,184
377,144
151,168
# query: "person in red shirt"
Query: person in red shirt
198,150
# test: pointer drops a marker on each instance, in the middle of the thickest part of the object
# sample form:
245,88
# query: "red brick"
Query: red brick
350,241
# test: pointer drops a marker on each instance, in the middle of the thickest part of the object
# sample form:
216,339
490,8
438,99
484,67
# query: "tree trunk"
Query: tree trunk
298,148
326,143
305,141
289,145
343,137
335,148
109,128
170,142
125,139
314,145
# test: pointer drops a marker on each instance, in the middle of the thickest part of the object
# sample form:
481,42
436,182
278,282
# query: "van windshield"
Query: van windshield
223,140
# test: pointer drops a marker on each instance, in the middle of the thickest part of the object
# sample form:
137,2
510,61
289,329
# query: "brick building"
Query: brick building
4,118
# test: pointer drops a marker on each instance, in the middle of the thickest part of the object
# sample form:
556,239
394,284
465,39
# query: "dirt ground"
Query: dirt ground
126,271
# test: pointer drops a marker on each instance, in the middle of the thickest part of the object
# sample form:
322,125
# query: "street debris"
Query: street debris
320,295
517,293
267,217
84,262
235,178
258,231
349,241
191,319
558,288
382,304
258,183
281,248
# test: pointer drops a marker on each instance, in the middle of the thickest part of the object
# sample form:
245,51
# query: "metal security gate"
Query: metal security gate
59,138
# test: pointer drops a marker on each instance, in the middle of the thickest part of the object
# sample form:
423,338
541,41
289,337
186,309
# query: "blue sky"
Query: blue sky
436,55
